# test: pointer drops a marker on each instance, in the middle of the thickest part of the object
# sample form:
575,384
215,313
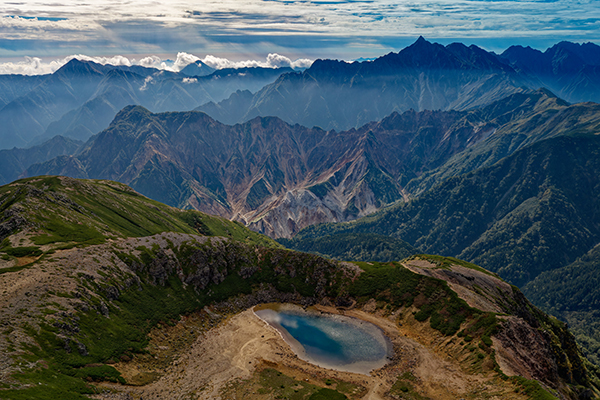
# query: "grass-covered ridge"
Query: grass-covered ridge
146,285
396,286
84,212
137,286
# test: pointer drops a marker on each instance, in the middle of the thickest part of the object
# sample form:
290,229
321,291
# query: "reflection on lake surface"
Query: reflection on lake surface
328,340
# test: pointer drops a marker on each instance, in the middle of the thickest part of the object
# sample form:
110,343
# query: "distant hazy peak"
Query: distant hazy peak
562,58
76,66
197,68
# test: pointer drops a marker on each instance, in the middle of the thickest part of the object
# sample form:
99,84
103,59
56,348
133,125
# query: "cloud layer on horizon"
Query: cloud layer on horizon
302,29
37,66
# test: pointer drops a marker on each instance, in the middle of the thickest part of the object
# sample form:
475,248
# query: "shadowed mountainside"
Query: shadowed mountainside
339,95
13,162
354,247
276,177
571,293
424,76
571,70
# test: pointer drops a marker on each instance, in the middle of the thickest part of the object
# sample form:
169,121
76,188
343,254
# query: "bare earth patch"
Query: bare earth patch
241,346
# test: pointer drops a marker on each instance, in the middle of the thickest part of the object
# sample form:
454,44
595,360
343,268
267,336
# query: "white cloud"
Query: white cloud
37,66
189,80
183,59
20,24
336,29
148,80
278,61
31,66
273,60
154,62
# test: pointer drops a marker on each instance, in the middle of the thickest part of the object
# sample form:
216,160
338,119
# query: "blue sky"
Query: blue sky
251,29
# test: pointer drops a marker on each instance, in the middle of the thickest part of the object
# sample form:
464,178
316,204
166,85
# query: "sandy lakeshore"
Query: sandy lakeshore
232,351
235,348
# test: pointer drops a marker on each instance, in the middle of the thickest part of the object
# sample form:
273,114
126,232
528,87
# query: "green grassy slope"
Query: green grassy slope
121,289
60,211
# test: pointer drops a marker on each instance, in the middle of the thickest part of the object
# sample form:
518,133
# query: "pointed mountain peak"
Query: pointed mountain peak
197,68
77,63
77,67
421,43
424,54
131,113
551,100
73,65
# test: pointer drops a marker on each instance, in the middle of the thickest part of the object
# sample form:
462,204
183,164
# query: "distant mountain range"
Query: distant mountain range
13,162
570,70
424,76
339,95
82,97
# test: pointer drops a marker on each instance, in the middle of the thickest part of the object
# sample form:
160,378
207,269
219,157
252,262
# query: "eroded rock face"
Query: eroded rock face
277,178
11,221
289,213
526,343
524,351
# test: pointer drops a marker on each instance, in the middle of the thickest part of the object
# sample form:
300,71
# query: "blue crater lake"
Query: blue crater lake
329,340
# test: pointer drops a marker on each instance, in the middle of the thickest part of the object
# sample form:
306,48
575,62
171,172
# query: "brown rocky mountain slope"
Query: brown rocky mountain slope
278,178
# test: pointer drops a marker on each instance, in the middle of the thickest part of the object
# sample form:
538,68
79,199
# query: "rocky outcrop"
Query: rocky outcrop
11,222
528,342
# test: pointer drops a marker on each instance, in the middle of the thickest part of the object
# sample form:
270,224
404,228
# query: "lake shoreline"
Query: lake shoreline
366,362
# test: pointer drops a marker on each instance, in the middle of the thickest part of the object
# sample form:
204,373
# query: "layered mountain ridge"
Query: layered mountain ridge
82,97
424,76
532,217
533,211
339,95
571,70
13,162
279,178
449,150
